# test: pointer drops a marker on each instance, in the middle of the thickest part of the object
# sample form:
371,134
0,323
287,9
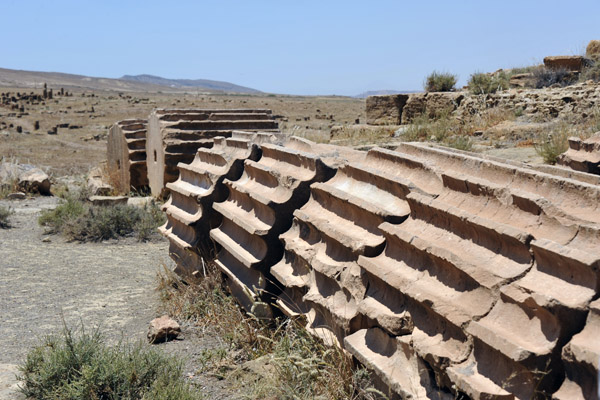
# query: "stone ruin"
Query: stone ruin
126,154
143,154
444,273
174,136
582,155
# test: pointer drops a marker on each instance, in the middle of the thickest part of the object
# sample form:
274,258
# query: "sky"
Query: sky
292,47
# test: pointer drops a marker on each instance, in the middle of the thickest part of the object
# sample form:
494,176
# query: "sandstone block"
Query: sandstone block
385,110
570,63
163,329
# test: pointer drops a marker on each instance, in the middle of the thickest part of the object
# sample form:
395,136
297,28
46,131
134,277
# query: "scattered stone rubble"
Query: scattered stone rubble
444,273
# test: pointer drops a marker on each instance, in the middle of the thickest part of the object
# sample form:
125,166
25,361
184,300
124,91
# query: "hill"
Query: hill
139,83
190,83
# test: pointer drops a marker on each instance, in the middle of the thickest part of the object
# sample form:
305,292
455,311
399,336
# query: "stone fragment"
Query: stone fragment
97,184
570,63
35,181
16,196
108,200
163,329
582,155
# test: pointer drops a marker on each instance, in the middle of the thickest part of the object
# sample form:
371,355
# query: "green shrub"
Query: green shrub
83,367
440,82
460,142
481,83
550,145
79,221
5,213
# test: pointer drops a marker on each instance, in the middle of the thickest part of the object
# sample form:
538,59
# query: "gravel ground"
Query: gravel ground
45,280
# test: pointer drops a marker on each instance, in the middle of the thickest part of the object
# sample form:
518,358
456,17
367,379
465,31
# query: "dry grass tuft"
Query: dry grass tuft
295,365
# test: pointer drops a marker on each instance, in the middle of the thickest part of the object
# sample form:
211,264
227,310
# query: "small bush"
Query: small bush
460,143
79,221
550,145
440,82
481,83
5,213
545,77
83,367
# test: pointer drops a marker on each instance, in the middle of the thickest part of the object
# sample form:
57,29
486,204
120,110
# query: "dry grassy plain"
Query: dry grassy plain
75,151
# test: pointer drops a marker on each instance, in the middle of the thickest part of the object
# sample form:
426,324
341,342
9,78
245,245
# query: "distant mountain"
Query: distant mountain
139,83
190,83
364,95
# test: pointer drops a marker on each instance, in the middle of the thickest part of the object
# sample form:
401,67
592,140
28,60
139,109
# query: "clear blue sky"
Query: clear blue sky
295,47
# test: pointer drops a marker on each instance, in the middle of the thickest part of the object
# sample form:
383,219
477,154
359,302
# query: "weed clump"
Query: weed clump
5,213
70,366
550,145
440,82
481,83
80,221
299,365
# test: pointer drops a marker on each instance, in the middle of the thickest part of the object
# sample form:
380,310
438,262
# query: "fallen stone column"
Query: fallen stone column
582,155
337,225
189,211
126,154
174,136
259,208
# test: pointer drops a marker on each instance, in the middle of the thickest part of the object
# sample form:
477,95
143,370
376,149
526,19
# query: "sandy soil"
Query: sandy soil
45,280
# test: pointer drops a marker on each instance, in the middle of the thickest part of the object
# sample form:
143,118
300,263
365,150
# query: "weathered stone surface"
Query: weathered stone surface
35,181
97,183
581,357
582,155
386,109
108,200
16,196
189,209
162,329
339,224
126,153
174,136
570,63
25,178
259,208
574,101
593,50
445,273
431,104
